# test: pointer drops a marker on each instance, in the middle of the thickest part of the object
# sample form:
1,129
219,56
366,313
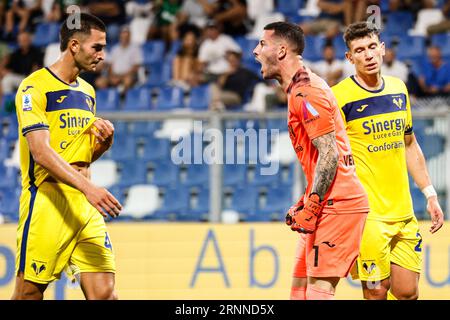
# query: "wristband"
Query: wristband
429,191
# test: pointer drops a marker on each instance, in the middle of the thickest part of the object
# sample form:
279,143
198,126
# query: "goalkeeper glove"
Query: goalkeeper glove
304,220
292,210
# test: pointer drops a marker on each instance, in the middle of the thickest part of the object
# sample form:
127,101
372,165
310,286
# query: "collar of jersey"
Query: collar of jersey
371,91
67,84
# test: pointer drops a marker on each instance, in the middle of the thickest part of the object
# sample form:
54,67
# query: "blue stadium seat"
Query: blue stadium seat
431,144
264,180
399,22
118,192
9,203
339,46
5,149
278,201
156,149
410,47
159,74
175,203
131,172
384,5
9,177
197,175
288,7
280,124
234,175
419,203
253,66
166,175
45,34
124,148
244,200
7,105
107,100
287,174
199,98
174,48
138,99
112,34
120,129
313,48
144,129
153,51
198,209
170,98
10,128
247,45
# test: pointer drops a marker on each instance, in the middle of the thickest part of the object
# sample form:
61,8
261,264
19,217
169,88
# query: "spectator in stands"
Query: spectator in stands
232,15
185,65
164,26
59,9
356,10
435,76
410,5
194,14
25,11
329,21
330,68
444,25
212,52
393,67
20,63
122,64
109,11
2,17
267,95
232,88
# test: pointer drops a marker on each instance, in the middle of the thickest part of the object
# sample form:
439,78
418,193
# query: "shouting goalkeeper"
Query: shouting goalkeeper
330,216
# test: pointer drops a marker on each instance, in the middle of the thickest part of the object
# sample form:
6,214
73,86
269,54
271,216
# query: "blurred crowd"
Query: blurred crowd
190,43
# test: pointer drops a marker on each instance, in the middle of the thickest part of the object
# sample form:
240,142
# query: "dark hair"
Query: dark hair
359,30
86,23
290,32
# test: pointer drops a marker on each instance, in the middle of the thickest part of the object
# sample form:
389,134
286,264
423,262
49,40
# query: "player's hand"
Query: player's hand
436,214
102,200
293,210
103,130
305,220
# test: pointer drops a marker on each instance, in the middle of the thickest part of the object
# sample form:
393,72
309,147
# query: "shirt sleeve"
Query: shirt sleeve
314,109
30,108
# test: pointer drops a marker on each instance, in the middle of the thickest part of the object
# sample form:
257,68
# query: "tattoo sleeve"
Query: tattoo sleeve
326,164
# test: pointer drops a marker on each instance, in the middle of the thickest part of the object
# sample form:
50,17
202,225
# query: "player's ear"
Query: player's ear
74,45
383,48
349,57
282,51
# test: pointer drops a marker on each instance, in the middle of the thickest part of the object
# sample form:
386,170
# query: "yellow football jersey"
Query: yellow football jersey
45,102
376,123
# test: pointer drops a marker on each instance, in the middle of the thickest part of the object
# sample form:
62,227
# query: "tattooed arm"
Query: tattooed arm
326,164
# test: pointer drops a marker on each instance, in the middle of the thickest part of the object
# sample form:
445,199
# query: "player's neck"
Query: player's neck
288,70
370,82
65,70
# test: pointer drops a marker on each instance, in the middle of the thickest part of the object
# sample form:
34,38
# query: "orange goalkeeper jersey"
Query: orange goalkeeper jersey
313,112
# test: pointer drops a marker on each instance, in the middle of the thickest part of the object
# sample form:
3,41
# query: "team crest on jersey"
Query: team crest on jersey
398,102
369,268
26,102
38,267
309,111
89,103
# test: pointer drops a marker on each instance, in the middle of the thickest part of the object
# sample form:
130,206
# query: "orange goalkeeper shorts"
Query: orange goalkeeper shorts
331,251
